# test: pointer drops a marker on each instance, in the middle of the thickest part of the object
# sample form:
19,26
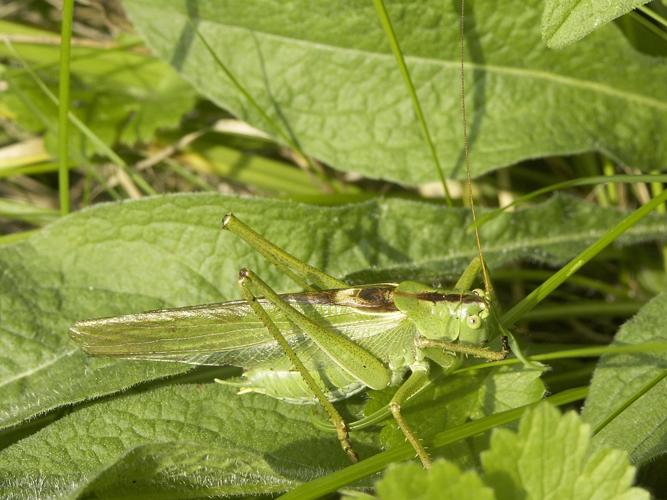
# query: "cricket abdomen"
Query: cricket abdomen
278,378
288,385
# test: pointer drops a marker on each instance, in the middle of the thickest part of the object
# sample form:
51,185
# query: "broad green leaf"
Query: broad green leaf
550,457
444,480
169,251
324,74
565,22
176,442
122,95
503,389
183,470
509,387
641,428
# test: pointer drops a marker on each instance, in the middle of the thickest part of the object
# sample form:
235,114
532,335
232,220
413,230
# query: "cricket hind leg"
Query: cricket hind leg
336,419
305,275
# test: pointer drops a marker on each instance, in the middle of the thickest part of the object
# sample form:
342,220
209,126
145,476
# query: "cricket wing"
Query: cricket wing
229,333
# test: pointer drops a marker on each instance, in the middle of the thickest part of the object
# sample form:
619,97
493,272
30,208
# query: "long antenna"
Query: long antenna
466,154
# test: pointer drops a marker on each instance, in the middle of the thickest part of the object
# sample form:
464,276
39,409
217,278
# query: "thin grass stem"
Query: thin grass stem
63,108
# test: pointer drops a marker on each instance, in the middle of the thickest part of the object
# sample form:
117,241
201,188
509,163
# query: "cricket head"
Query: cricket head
450,315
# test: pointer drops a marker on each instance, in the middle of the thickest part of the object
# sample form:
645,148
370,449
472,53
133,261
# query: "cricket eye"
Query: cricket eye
479,292
473,321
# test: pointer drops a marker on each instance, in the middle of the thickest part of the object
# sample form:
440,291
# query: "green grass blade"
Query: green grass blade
16,210
87,132
653,15
11,238
400,60
643,390
582,181
583,282
288,137
584,309
643,22
577,352
543,291
580,352
63,109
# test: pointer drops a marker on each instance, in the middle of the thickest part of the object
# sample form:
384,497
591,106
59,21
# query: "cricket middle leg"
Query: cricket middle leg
415,381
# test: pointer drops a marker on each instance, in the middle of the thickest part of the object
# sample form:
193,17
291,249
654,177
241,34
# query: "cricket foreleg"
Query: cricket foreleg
413,384
335,417
300,272
471,350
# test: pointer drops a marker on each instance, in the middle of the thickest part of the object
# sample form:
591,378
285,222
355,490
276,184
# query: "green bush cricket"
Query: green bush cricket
325,344
322,345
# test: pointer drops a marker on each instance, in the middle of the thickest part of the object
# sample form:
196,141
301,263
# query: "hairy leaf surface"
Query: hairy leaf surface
170,251
324,75
565,22
641,428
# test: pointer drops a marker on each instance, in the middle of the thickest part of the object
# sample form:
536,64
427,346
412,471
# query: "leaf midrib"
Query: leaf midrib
37,368
577,237
488,68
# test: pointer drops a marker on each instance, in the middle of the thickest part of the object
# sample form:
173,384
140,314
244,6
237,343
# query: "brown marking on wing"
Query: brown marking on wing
379,298
369,298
